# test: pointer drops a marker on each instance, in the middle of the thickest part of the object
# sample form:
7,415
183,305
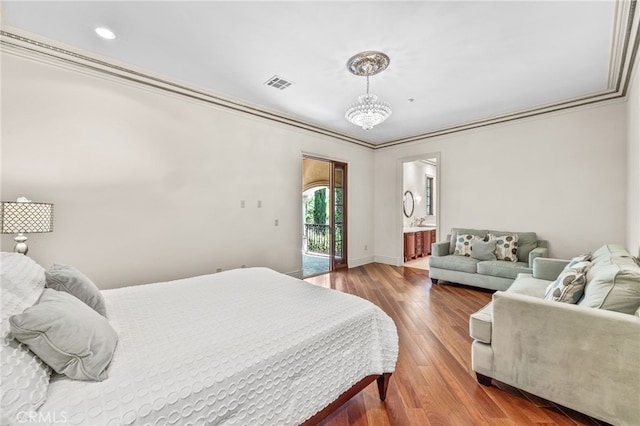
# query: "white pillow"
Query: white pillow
24,376
22,284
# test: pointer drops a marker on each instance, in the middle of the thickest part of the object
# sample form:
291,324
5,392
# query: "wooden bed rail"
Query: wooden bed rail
383,384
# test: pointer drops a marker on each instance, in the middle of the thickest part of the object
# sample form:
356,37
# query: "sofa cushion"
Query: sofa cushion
609,250
483,250
529,286
456,231
527,241
613,284
569,286
506,246
454,263
463,244
480,324
503,268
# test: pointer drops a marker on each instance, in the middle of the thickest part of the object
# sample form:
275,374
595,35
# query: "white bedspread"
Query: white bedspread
243,347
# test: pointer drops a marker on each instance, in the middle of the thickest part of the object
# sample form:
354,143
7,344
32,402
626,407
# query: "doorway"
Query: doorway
420,206
324,216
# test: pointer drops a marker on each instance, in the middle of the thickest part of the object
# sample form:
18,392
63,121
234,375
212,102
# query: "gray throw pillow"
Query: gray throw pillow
483,250
70,280
69,336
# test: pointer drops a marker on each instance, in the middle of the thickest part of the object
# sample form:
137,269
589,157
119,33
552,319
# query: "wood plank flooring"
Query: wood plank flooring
434,383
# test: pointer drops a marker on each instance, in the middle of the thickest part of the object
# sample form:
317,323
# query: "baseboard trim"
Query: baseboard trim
354,263
387,260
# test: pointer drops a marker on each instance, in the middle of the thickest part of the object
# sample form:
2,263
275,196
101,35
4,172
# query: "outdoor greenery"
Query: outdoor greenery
317,222
317,229
316,208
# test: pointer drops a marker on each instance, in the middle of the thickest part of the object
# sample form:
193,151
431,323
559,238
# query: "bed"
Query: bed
246,346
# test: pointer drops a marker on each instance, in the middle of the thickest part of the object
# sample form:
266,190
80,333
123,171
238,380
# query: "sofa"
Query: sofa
582,352
484,267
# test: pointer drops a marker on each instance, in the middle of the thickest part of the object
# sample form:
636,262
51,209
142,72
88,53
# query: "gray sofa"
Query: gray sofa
585,356
445,265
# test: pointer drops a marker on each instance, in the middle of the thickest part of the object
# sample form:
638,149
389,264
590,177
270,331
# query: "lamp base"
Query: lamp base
21,244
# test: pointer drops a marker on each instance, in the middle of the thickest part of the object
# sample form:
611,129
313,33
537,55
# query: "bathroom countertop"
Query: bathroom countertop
418,229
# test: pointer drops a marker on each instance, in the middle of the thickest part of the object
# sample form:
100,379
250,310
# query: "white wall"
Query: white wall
561,175
147,186
633,163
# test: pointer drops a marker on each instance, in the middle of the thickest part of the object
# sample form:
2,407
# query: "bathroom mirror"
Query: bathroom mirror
407,204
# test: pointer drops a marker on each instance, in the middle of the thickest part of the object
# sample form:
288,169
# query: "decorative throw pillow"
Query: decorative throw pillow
483,250
569,286
459,231
506,247
463,244
584,257
70,280
69,336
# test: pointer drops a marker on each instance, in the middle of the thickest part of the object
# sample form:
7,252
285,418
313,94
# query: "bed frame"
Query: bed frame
383,384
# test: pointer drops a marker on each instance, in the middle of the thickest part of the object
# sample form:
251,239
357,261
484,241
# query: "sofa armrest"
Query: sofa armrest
545,268
537,252
583,358
440,249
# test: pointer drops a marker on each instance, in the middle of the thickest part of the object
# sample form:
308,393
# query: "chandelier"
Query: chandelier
368,111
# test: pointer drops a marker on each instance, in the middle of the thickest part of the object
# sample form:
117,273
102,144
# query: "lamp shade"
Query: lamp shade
25,217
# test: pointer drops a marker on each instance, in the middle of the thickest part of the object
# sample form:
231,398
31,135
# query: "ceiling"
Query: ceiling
464,64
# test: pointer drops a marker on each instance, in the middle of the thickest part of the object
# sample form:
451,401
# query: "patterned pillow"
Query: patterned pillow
584,257
463,244
506,247
569,286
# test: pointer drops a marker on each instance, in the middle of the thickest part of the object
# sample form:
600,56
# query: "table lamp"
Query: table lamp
24,216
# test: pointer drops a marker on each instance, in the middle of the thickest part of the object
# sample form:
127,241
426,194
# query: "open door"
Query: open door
324,216
338,218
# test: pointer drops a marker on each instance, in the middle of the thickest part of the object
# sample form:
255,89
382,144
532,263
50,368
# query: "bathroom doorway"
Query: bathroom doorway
420,206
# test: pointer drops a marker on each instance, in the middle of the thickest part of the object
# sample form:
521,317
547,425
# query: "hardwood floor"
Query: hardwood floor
433,383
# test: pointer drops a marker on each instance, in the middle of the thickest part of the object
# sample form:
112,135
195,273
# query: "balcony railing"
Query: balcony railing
316,238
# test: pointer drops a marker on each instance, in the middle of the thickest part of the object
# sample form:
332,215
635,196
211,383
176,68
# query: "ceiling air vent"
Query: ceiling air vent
278,82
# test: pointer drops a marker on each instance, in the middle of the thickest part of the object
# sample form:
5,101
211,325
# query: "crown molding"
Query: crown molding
624,49
35,48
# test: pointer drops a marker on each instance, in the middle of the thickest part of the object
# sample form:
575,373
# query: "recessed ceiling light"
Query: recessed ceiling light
105,33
